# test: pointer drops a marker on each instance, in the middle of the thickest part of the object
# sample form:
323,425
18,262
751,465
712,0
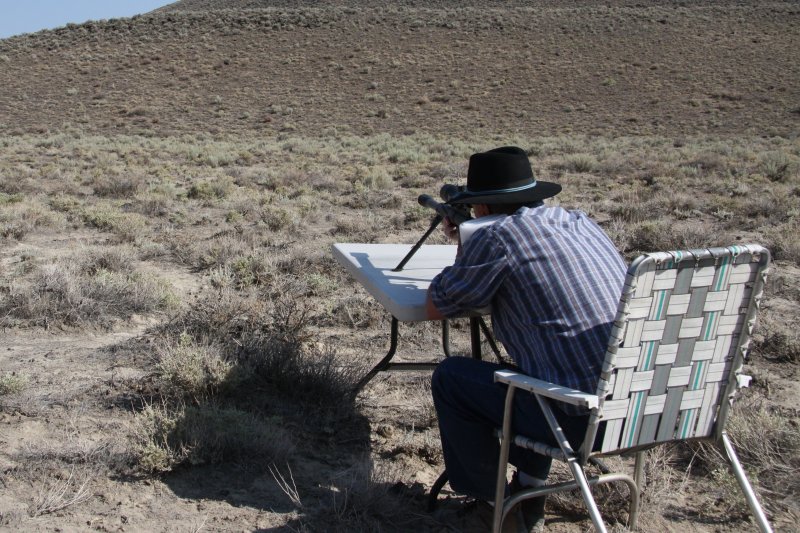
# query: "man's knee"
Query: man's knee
462,376
446,374
440,377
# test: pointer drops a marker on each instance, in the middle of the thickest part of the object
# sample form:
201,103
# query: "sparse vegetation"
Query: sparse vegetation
768,443
12,383
93,290
166,437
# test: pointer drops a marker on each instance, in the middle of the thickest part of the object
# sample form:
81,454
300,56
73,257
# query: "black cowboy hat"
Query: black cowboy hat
503,176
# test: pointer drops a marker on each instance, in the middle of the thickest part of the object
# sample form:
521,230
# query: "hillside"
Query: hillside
682,68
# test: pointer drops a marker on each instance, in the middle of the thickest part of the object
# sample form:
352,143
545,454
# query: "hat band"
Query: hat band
504,191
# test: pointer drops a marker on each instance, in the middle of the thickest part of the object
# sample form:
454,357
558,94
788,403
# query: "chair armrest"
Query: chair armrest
547,389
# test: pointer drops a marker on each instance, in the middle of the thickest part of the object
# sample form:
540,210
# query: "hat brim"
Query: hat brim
541,191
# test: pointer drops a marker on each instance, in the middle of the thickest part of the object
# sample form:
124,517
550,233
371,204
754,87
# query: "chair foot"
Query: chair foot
435,490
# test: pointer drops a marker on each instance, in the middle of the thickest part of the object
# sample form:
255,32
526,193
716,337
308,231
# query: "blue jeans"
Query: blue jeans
469,405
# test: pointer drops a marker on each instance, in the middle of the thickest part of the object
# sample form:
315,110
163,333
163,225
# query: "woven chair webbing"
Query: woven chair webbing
681,321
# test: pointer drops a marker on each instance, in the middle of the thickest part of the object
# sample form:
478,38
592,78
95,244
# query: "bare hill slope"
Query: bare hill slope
611,69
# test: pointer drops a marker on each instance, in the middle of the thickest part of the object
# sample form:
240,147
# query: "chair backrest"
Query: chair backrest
675,354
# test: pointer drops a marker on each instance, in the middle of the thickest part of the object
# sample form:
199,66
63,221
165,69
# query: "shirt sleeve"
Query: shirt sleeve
474,278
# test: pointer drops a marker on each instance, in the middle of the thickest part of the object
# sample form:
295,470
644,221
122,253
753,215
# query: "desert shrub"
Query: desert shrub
166,437
21,218
662,235
117,186
193,370
371,178
253,269
112,259
57,492
707,162
354,311
777,341
218,251
108,218
270,341
278,218
152,204
360,228
576,163
63,204
767,442
778,167
629,206
65,294
6,198
210,189
783,241
12,383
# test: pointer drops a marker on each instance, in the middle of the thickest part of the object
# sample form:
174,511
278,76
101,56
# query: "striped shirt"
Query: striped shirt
553,279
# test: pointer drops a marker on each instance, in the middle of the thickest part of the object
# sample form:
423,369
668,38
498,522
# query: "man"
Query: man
553,280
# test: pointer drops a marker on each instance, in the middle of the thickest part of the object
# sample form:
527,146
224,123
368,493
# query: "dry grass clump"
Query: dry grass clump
197,371
269,343
658,235
778,340
611,498
767,442
20,217
210,190
221,250
128,226
782,240
576,163
91,290
56,486
238,356
368,497
779,166
12,383
168,436
124,186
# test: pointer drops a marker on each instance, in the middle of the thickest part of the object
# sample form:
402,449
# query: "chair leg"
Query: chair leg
638,477
744,484
435,490
502,464
583,485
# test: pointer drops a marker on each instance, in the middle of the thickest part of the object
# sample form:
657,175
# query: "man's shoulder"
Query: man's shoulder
553,214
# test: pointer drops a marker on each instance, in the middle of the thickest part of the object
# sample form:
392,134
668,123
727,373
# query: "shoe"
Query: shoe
532,510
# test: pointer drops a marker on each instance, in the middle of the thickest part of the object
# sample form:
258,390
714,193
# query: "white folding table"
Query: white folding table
403,293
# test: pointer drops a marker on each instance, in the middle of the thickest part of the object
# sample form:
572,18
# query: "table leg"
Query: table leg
475,325
475,336
490,339
446,337
383,364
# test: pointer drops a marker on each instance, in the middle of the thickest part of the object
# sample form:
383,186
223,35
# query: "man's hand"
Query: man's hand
431,310
450,229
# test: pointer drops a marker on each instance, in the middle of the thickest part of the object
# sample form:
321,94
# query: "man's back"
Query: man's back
553,279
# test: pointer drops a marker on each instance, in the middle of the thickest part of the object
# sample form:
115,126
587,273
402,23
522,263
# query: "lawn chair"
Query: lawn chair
672,367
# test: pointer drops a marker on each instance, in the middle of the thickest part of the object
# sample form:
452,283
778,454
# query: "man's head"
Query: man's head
502,179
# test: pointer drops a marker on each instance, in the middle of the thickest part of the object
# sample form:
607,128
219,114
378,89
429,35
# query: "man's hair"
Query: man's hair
510,209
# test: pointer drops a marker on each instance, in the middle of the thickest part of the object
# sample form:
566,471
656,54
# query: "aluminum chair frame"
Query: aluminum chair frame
672,368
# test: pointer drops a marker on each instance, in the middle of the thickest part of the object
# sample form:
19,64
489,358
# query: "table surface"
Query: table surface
401,293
